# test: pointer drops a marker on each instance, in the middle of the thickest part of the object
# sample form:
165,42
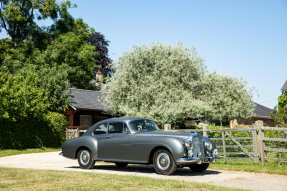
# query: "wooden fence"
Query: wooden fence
73,133
257,143
263,147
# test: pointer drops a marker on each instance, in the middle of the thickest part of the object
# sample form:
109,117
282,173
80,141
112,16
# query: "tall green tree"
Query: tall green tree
170,83
62,43
156,81
37,65
18,17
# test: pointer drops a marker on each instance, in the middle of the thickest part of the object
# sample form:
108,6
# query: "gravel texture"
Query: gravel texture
234,179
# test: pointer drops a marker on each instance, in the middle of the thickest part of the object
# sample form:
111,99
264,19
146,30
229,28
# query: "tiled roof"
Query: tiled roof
284,87
85,99
262,111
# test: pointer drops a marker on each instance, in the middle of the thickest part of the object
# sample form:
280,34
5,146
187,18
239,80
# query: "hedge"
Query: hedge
31,132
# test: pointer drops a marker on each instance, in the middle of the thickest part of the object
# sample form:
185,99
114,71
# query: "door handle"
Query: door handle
107,137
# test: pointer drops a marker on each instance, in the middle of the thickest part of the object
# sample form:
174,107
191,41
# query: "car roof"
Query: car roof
123,119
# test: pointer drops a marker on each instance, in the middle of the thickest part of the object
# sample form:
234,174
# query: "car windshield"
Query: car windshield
143,125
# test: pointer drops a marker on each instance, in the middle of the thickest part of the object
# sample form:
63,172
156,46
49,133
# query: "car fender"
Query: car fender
143,146
71,147
206,139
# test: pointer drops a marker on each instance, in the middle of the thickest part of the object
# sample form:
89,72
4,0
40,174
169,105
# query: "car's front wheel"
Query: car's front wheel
199,167
121,164
85,159
163,162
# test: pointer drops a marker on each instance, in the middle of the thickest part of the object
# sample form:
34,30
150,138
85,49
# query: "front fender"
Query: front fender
70,147
143,146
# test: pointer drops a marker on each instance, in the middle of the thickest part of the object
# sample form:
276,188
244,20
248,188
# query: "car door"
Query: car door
117,142
99,134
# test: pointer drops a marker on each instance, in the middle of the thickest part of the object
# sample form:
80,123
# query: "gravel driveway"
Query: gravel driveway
245,180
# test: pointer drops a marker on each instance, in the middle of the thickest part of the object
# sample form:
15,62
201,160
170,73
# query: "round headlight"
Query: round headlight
208,146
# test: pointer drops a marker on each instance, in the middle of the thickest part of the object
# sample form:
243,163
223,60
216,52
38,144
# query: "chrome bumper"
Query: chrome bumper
197,160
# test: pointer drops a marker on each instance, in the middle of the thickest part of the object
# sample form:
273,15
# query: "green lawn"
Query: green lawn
8,152
250,166
23,179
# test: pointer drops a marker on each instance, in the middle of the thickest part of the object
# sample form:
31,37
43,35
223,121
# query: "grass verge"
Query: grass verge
250,166
9,152
23,179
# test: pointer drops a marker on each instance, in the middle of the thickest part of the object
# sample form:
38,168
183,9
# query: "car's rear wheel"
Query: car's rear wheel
199,167
121,164
85,159
163,162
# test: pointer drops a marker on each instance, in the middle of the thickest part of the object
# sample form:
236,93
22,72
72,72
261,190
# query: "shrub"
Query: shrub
33,132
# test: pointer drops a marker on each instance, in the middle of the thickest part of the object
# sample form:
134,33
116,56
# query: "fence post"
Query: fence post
223,146
204,130
255,144
167,127
259,125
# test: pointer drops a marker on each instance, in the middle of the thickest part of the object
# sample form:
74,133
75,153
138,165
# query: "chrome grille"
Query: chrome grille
198,146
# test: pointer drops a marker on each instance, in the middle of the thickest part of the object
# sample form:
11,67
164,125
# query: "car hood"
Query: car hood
180,135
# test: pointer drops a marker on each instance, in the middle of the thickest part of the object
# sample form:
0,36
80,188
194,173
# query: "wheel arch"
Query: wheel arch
81,148
150,160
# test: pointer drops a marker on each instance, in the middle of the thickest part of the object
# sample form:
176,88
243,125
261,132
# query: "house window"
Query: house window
85,122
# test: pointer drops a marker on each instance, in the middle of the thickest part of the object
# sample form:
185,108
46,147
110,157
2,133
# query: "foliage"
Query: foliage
18,17
229,97
69,51
279,116
156,82
25,121
20,96
193,127
33,132
282,103
102,60
170,83
37,65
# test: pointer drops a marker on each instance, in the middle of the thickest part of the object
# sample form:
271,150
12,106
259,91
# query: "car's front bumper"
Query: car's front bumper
198,160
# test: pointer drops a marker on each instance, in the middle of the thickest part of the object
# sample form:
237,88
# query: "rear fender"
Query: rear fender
71,147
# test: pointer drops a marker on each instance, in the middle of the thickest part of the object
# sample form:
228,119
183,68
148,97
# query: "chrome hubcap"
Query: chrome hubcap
85,157
163,161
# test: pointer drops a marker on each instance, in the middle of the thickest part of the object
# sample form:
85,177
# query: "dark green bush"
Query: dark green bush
32,132
193,127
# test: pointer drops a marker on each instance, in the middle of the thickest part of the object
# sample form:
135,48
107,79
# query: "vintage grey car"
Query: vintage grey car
139,141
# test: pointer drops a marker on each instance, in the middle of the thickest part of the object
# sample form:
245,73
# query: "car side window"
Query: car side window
125,128
101,129
115,127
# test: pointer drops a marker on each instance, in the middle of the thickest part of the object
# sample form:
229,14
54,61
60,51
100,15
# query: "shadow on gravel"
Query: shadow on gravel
150,170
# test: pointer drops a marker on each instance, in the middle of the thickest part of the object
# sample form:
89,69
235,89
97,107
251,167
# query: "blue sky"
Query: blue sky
241,38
